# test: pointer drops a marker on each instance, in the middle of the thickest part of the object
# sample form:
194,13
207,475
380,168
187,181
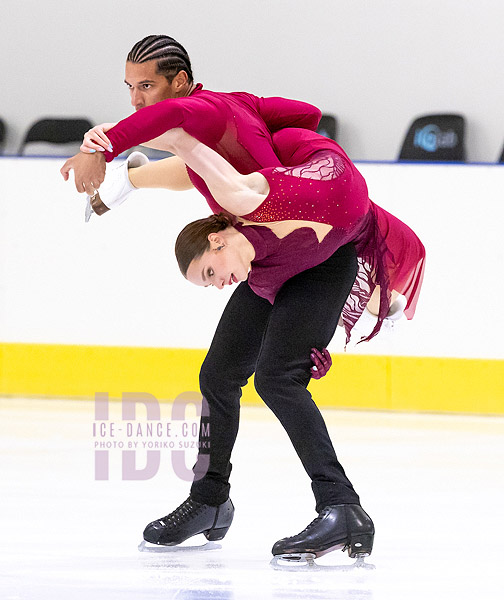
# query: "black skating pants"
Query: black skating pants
274,342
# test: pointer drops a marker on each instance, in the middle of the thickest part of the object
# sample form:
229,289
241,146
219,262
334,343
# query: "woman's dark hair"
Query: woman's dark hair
170,55
192,242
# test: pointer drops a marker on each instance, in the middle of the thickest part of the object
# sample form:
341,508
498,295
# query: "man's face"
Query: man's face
145,85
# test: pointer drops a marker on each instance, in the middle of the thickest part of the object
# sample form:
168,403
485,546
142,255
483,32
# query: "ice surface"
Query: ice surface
432,484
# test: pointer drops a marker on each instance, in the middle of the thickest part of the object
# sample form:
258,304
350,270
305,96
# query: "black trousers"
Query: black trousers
275,342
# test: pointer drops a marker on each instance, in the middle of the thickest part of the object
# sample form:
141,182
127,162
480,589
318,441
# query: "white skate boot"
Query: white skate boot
367,321
116,188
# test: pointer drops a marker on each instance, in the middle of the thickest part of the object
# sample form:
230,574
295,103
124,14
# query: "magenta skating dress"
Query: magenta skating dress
324,186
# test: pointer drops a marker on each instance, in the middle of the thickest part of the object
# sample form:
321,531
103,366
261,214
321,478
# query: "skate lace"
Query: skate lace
315,521
186,511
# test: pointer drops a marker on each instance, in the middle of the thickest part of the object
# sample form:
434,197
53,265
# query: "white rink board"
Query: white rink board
114,281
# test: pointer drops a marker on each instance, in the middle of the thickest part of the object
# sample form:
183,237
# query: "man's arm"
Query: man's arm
89,171
198,117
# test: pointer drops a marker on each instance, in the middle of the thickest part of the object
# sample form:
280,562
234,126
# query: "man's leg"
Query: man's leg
305,316
230,361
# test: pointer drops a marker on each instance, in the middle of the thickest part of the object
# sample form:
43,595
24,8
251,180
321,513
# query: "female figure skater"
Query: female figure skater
299,228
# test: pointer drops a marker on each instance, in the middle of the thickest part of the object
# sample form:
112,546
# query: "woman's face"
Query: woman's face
223,264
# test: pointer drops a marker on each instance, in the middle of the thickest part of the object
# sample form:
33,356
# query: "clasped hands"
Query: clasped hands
89,164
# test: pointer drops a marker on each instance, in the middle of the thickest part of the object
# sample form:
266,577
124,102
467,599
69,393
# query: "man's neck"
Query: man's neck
188,90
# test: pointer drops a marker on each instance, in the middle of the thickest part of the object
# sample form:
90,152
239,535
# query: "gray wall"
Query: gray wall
375,64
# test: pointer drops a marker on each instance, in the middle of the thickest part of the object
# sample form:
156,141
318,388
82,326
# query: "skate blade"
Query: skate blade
148,547
360,564
301,562
297,557
308,557
89,210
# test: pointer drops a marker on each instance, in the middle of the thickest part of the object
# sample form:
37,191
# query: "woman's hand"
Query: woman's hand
96,140
322,362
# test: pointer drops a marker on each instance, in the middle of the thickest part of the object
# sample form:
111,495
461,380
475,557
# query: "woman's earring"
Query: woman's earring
220,247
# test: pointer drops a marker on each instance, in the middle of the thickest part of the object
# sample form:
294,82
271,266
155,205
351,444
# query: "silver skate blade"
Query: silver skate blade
308,557
298,557
148,547
307,562
88,211
360,564
291,562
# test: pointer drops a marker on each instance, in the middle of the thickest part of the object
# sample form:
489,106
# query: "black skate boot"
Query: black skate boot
338,526
191,518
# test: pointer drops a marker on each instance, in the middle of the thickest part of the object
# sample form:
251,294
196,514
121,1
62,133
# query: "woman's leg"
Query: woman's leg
169,173
305,316
135,172
373,305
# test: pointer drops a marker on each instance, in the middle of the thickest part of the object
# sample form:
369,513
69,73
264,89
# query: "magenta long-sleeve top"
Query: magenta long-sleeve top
237,125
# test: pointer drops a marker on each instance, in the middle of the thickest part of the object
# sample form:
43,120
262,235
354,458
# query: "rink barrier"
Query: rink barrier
400,383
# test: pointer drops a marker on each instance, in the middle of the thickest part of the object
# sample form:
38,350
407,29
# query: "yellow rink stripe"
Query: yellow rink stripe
355,381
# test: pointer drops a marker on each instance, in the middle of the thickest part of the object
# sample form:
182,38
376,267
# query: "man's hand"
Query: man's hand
89,171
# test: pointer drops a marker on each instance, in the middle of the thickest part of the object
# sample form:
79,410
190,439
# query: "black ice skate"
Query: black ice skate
189,519
339,526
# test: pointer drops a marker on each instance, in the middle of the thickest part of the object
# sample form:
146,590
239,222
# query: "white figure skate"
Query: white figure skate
116,188
367,322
